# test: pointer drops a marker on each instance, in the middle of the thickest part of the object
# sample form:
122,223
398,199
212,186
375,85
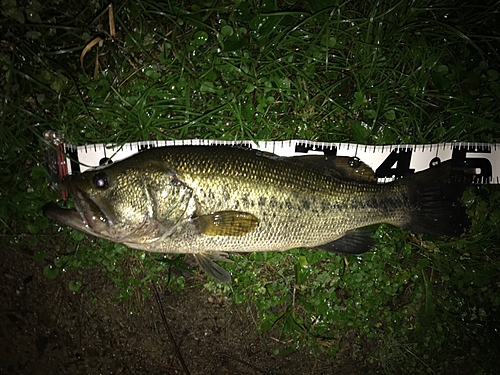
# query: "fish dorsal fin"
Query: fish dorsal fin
354,242
207,262
340,166
226,223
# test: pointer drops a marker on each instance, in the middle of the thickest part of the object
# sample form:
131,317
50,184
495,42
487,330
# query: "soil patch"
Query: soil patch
47,329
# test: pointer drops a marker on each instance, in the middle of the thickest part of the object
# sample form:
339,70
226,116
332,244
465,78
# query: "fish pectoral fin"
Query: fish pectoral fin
354,242
226,223
207,262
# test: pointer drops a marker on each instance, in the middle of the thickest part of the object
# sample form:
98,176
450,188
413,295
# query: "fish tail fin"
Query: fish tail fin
435,201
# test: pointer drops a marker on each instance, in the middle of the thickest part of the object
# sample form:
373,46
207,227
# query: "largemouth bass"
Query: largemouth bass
209,201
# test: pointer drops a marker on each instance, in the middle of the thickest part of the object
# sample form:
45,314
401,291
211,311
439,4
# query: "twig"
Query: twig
425,364
167,327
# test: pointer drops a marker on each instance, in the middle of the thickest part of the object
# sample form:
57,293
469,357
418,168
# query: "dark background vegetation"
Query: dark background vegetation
384,72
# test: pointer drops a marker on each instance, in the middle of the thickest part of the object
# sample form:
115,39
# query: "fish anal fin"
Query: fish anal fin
207,262
226,223
354,242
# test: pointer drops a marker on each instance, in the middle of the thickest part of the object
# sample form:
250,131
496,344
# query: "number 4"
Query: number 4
401,159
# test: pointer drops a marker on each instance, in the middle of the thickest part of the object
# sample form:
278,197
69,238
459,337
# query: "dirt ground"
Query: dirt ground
47,329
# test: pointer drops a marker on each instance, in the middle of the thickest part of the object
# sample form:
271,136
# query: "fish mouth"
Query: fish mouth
88,217
67,217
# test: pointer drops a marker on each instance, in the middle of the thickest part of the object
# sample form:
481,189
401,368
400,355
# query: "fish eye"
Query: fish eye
101,180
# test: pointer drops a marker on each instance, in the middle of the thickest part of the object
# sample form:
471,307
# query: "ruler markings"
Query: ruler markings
483,156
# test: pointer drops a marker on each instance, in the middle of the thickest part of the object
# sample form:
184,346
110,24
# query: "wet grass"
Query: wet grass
396,72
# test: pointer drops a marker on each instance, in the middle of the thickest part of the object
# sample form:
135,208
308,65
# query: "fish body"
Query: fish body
212,200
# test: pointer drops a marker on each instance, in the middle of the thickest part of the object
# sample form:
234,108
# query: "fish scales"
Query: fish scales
297,205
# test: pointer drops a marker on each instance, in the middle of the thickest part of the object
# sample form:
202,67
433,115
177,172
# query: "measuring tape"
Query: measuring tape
388,162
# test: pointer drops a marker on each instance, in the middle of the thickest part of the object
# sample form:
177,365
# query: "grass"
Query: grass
394,72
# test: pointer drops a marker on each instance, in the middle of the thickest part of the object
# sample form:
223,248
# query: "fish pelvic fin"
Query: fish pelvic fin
207,262
435,201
